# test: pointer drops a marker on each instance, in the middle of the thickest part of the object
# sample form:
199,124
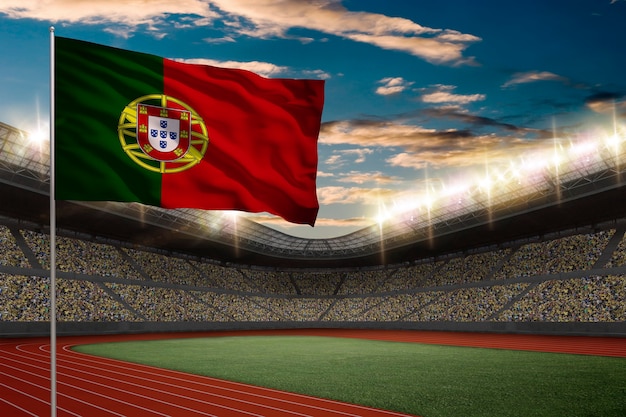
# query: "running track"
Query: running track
91,386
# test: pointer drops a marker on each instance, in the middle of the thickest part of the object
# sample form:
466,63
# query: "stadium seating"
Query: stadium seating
550,280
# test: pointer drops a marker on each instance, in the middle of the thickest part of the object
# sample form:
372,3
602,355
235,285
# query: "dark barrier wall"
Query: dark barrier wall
30,329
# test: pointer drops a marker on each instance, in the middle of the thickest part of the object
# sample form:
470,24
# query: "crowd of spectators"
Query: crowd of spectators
162,268
295,309
12,255
24,298
398,307
618,258
362,282
588,299
27,298
316,283
471,268
93,304
271,282
350,308
410,277
231,307
141,285
469,304
573,253
229,278
80,256
163,304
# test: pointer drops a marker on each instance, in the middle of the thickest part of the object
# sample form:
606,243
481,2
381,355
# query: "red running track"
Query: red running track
91,386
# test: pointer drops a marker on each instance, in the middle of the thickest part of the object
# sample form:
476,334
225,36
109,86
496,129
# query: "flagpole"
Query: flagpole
53,295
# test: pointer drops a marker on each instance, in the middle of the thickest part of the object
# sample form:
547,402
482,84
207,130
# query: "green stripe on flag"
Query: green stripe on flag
93,85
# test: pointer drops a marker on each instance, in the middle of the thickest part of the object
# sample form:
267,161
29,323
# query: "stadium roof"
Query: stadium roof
585,191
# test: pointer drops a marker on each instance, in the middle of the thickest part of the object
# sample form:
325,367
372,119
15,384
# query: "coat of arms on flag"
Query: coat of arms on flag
163,133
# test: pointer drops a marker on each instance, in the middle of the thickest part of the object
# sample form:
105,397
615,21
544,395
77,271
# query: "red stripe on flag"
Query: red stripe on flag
262,154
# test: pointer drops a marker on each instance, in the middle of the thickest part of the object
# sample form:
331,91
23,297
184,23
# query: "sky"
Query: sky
419,95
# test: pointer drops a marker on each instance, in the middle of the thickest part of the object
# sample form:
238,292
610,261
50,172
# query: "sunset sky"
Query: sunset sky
417,92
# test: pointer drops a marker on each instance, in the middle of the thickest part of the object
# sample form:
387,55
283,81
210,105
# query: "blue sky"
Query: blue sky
418,93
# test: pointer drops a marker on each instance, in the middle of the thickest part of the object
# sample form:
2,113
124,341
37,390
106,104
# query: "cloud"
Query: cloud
353,195
131,13
265,69
359,154
224,39
392,85
607,102
386,134
416,147
476,121
271,18
338,225
437,46
351,222
262,68
443,94
377,177
533,76
323,174
256,18
335,161
434,50
477,152
340,157
440,153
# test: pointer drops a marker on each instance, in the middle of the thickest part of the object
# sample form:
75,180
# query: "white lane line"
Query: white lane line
44,388
184,377
126,392
94,393
17,406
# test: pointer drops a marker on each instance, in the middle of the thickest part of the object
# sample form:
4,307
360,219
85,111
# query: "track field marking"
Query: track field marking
245,388
76,368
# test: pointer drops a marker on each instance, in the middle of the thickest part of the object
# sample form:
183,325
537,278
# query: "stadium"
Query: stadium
547,257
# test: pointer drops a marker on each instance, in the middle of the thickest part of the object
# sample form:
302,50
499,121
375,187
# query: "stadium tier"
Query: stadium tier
571,284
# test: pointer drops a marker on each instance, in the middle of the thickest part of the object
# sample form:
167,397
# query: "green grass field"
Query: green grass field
425,380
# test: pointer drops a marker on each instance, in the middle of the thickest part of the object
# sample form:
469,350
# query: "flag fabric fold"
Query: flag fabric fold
134,127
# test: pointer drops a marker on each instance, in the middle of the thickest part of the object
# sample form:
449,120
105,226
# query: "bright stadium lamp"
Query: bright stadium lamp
38,136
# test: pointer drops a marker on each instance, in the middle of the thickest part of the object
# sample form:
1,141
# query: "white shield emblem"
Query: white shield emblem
163,133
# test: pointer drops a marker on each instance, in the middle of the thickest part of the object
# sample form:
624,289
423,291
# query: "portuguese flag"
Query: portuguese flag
133,127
